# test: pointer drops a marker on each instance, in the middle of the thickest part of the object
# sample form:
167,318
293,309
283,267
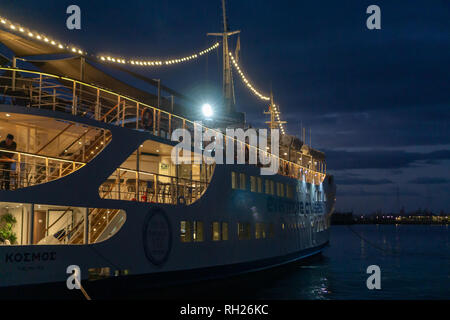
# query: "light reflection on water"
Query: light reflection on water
414,265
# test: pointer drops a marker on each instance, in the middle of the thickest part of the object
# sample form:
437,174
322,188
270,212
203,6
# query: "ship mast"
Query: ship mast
227,88
275,121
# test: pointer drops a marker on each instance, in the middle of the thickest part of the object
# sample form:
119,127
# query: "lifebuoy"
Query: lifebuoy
147,119
157,236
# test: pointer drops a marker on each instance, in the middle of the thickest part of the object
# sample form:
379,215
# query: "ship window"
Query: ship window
272,187
243,230
242,179
224,230
271,231
98,273
280,189
198,231
259,182
233,180
185,231
260,232
216,231
267,186
253,184
289,193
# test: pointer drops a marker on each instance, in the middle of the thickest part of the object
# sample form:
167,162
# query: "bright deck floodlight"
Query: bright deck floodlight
207,110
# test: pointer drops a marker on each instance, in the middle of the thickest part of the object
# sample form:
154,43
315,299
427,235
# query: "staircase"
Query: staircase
91,149
98,220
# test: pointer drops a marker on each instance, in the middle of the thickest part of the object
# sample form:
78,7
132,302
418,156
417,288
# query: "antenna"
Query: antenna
274,112
228,89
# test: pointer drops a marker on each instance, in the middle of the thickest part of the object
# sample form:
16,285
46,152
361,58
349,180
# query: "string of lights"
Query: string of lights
17,28
247,83
277,114
20,29
256,92
159,62
14,27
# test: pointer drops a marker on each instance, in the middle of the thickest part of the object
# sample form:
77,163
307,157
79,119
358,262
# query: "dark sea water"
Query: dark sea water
414,262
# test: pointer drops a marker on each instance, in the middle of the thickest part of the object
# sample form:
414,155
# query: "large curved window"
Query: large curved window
26,224
149,175
44,149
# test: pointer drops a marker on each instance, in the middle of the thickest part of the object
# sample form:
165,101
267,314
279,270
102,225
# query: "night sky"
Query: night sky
377,102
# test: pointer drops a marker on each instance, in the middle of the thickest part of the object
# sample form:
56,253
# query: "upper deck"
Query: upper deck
34,89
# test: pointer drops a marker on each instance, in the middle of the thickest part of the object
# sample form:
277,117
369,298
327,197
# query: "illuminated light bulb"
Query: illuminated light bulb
80,52
3,21
46,39
12,27
22,29
39,37
53,43
103,58
74,50
30,34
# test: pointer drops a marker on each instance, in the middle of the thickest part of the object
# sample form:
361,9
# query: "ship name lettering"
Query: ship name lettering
294,207
30,257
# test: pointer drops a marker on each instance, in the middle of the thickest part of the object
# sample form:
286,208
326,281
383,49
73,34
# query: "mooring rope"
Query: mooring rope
82,290
394,252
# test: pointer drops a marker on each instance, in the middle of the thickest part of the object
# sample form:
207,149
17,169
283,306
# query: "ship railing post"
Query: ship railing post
13,84
74,98
31,225
86,226
158,128
170,125
18,171
118,184
154,121
46,170
123,112
137,115
97,106
84,148
40,91
118,110
54,99
155,187
137,174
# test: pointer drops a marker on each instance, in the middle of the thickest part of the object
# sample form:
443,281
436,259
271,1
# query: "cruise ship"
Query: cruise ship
90,181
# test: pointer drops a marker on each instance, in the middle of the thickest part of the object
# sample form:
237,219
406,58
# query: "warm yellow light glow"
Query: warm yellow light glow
166,61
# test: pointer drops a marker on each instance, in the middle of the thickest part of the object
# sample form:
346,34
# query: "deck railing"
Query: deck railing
144,186
57,93
27,169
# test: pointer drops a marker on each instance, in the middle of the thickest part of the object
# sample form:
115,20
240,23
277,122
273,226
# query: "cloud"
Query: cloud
363,193
361,181
429,180
379,159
